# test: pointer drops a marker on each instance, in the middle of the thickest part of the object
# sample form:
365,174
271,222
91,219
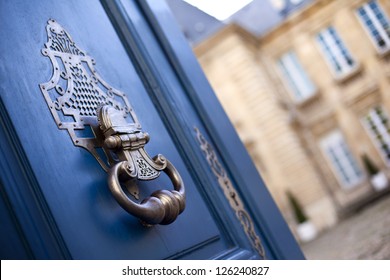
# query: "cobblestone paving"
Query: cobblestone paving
364,236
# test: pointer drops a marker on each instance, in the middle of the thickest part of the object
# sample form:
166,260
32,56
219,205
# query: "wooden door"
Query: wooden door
54,193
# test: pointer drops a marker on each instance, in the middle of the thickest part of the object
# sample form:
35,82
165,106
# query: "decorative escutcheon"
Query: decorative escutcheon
100,117
163,206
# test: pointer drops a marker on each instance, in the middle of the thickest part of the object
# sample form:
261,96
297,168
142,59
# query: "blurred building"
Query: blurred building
307,86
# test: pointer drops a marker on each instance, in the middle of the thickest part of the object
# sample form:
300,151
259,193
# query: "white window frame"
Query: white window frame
335,51
377,25
384,131
349,165
295,77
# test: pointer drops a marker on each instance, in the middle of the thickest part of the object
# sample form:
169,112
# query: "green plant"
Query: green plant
370,166
300,215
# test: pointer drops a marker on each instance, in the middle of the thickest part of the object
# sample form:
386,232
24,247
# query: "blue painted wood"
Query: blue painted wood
61,200
26,208
12,243
90,221
282,244
174,111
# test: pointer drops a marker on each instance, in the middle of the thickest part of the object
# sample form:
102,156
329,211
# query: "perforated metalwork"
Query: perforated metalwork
75,91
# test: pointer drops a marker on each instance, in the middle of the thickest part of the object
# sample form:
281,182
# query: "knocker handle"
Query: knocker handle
132,163
162,207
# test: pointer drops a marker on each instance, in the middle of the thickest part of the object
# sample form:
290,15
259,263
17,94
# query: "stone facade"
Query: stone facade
307,133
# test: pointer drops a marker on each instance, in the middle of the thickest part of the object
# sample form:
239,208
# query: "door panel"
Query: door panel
13,246
63,187
72,182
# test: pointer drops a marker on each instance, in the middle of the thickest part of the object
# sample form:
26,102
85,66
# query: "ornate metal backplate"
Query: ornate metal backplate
76,90
80,100
75,94
230,193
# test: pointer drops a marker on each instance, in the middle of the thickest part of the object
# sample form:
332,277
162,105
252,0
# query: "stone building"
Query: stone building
309,95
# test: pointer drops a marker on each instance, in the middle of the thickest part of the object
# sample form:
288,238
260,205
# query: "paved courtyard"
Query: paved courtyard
364,236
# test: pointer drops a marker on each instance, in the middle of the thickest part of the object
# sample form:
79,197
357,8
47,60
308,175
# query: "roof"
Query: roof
195,24
258,17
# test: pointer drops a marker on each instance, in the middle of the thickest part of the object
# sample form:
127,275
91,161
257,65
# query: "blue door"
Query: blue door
79,77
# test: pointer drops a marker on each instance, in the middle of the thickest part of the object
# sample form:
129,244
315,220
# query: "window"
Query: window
296,77
341,160
377,124
336,54
376,23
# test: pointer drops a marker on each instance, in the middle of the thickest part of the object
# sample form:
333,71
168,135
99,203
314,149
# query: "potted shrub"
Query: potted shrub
378,178
306,230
